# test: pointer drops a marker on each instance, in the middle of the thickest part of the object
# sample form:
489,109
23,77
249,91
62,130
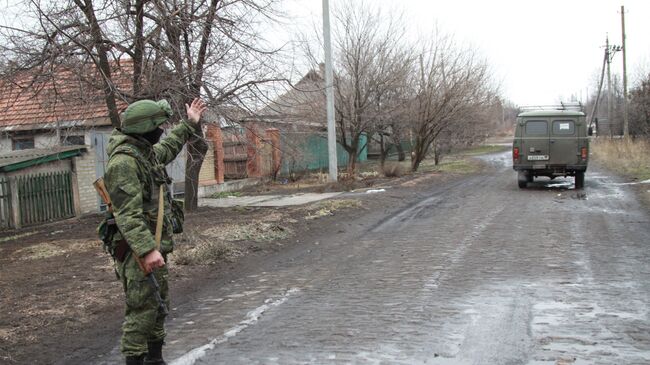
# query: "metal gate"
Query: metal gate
235,155
45,197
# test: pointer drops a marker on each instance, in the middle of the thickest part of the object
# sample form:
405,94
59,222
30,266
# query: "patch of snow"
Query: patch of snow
372,191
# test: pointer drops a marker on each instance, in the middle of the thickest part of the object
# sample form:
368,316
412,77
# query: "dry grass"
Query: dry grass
452,165
255,231
627,157
224,241
328,207
192,248
391,169
55,248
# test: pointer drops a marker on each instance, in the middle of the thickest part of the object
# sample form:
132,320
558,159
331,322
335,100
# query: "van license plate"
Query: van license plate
537,157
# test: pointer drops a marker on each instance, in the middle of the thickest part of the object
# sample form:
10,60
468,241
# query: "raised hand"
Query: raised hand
195,110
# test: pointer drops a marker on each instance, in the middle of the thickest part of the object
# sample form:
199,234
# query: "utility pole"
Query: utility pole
329,92
626,130
608,56
600,87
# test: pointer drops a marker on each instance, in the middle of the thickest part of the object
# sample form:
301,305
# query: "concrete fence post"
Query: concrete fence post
15,202
74,178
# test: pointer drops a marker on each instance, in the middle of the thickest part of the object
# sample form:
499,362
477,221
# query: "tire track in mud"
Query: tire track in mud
415,211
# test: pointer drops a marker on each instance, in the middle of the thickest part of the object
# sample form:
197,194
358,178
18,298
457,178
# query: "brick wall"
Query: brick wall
86,174
207,168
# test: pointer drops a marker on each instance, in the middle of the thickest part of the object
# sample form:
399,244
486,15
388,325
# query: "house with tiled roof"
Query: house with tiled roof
59,107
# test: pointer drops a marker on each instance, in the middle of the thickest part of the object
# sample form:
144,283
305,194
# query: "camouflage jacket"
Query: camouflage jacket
134,173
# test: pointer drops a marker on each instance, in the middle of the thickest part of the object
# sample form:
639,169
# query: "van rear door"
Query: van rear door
535,141
564,142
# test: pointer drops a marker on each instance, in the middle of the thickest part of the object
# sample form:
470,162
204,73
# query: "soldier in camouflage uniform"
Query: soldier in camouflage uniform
135,172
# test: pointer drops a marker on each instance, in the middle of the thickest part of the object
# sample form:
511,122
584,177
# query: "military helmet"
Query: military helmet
144,116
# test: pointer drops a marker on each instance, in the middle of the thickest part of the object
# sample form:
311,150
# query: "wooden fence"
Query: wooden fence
234,155
6,215
45,197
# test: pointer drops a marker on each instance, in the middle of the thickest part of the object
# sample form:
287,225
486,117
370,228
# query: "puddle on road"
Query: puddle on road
488,329
501,159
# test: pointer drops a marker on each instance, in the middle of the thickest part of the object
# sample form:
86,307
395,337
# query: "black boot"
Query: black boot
134,360
154,357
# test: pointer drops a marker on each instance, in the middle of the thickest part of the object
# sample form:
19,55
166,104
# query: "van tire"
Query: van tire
522,179
580,180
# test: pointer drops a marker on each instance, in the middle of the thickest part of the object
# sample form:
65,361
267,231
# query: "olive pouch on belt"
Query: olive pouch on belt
178,215
106,232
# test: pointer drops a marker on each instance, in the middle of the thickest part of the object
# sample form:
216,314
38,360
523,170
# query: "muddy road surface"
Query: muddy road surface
471,271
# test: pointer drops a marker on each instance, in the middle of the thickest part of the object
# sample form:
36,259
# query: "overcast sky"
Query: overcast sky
542,51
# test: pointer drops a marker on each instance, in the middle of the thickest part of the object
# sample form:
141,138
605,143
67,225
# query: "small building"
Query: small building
42,185
299,116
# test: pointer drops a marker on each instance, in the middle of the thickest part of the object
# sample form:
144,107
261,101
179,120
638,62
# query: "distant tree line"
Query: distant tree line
434,93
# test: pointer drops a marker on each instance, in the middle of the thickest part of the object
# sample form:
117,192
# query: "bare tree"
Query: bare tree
371,57
450,87
640,108
371,65
178,50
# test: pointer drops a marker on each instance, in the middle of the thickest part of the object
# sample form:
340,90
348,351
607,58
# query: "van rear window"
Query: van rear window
563,127
537,127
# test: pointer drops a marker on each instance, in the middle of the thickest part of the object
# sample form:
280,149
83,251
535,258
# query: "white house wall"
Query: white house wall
45,140
5,144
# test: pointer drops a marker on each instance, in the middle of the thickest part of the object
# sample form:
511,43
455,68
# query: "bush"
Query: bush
392,170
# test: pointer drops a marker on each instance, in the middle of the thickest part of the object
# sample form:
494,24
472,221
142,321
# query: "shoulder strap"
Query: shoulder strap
132,151
129,150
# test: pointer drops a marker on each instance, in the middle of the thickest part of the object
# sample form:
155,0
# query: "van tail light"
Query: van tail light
583,153
515,153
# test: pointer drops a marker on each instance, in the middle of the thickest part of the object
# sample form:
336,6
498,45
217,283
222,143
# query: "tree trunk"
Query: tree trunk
401,155
352,162
138,45
102,62
436,155
353,151
415,163
382,151
196,150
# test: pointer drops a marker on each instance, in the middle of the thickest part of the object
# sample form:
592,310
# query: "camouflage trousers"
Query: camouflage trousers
142,321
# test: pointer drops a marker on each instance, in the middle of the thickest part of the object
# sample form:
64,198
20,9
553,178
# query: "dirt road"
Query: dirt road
472,271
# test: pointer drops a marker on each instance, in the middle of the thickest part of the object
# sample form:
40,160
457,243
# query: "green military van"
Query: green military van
552,143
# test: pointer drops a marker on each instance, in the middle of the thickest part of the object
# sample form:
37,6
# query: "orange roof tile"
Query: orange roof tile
64,96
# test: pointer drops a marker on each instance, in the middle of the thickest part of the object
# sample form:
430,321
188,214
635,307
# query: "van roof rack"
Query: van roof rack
577,106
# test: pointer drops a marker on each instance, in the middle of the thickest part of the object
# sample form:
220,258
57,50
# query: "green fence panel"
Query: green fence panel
309,152
45,197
